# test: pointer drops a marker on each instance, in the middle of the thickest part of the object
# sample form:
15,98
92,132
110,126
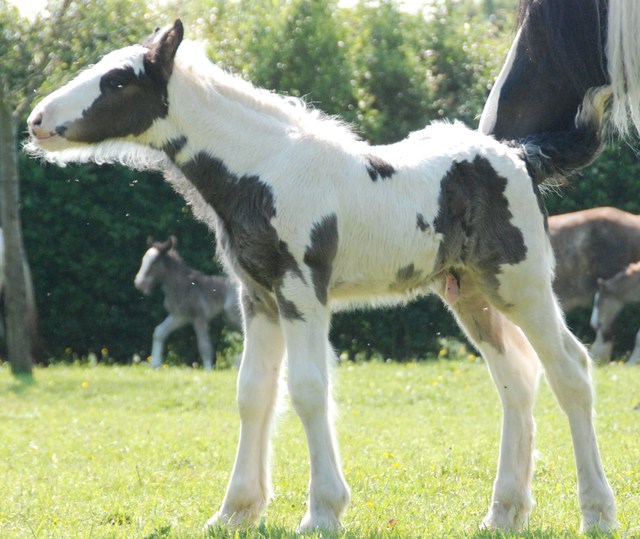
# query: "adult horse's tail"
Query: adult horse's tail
556,154
623,62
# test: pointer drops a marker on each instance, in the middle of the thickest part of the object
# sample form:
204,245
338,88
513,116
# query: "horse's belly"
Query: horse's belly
387,274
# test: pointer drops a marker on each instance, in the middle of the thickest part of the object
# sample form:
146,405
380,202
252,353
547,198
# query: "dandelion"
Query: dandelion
85,384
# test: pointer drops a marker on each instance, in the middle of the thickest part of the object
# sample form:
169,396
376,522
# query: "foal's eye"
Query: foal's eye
116,82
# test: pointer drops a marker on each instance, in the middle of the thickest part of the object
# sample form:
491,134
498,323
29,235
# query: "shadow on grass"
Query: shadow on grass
22,382
275,532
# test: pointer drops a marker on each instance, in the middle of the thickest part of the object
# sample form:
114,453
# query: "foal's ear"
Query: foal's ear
173,242
150,241
163,47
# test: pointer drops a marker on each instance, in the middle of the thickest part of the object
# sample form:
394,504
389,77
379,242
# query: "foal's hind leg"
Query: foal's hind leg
566,365
249,488
205,348
514,368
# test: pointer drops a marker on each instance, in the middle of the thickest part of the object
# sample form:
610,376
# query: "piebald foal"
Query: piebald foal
309,217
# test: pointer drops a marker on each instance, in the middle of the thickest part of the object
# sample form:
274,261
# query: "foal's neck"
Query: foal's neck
237,123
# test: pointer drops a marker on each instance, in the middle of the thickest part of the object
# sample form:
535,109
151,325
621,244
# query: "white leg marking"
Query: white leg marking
249,488
514,368
308,354
566,365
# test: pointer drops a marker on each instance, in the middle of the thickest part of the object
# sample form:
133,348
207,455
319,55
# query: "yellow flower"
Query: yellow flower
85,384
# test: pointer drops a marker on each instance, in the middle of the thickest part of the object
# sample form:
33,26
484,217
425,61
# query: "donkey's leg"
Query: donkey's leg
205,348
635,355
566,366
514,368
249,488
160,334
601,349
306,328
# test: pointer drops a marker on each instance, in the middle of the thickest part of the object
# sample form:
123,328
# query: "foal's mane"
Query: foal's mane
291,112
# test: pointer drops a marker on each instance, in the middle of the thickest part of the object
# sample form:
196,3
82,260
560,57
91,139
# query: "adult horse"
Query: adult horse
311,218
190,297
561,50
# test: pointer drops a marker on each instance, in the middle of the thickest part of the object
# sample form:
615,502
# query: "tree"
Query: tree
15,293
27,45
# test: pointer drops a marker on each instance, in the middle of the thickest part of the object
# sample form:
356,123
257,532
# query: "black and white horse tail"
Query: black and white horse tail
557,154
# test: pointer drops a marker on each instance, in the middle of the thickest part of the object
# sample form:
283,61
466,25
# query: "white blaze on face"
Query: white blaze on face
147,261
595,313
68,103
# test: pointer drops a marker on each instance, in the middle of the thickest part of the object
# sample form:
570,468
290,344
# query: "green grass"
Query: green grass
129,452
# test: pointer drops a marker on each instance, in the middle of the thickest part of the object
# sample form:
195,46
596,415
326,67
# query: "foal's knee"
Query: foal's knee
309,391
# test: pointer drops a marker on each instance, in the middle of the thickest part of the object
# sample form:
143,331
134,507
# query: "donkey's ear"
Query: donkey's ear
150,241
163,47
166,245
173,242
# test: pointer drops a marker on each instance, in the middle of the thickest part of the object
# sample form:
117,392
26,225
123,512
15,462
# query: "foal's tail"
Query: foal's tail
554,155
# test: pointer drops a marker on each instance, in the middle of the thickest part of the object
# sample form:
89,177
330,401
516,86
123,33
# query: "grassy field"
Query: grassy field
130,452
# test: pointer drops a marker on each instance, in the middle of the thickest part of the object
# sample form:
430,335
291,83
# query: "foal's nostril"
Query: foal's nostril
37,121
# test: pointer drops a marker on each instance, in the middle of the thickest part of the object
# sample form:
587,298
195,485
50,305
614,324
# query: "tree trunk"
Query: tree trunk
16,310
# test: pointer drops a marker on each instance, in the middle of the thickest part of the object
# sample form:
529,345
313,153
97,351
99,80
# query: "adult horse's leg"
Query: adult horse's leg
249,488
306,328
514,369
160,334
566,365
205,348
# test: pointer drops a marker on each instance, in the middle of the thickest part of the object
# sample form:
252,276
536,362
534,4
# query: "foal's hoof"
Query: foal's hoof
599,521
233,519
504,517
326,522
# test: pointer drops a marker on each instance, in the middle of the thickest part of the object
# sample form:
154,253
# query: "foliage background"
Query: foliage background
384,69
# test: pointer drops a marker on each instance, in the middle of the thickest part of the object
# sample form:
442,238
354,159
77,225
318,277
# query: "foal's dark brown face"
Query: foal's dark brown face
118,98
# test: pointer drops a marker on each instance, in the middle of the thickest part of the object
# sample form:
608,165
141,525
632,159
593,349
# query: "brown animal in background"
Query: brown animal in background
590,245
612,295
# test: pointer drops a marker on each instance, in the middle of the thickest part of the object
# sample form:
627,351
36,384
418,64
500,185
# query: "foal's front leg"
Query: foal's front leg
308,355
249,488
160,334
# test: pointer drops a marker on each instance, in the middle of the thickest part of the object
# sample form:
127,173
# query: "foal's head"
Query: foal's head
119,98
154,264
